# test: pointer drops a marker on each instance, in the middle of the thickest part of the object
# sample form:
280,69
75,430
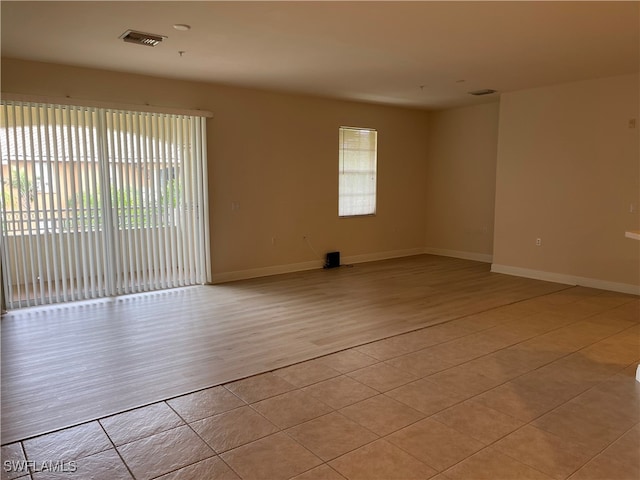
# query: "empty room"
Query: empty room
320,240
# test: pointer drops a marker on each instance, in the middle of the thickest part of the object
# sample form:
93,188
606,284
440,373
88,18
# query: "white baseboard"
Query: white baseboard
311,265
265,271
478,257
566,279
372,257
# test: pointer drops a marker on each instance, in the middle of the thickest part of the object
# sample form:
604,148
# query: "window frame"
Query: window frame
341,194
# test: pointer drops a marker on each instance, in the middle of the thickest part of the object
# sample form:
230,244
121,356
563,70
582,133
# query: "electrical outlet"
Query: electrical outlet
632,123
538,242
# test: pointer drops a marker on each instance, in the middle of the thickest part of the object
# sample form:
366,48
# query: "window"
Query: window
357,172
97,202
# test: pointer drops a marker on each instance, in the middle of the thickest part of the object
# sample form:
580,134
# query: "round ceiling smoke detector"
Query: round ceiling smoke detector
183,27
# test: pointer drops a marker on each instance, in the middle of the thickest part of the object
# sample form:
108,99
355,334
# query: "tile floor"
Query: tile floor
540,389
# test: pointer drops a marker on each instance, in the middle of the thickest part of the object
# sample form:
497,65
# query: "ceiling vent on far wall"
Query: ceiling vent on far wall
484,91
141,38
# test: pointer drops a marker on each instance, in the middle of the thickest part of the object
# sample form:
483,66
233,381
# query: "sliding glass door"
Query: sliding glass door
98,202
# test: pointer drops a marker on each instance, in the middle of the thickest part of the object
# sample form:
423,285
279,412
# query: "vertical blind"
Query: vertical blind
99,202
357,172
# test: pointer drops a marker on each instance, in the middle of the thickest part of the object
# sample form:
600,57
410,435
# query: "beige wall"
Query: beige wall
568,171
276,156
460,188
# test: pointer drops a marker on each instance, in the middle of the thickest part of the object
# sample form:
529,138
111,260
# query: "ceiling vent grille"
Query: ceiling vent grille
485,91
141,38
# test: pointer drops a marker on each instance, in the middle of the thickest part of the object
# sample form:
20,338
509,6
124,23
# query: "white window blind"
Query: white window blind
98,202
357,172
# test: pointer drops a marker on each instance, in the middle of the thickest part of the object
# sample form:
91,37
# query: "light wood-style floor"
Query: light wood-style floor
68,364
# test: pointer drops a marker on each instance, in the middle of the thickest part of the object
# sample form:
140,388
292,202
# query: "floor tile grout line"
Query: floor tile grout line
444,342
518,460
126,465
24,455
600,452
246,378
531,421
286,432
113,447
491,444
215,452
384,438
174,411
378,437
531,466
318,466
593,457
484,330
187,424
486,447
526,373
523,341
568,401
544,365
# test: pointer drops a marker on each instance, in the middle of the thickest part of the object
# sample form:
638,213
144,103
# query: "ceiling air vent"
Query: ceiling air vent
141,38
485,91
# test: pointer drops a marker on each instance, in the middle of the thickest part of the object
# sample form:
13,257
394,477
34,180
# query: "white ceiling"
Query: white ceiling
380,52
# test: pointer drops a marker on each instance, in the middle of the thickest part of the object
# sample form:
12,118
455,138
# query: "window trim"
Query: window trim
375,171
